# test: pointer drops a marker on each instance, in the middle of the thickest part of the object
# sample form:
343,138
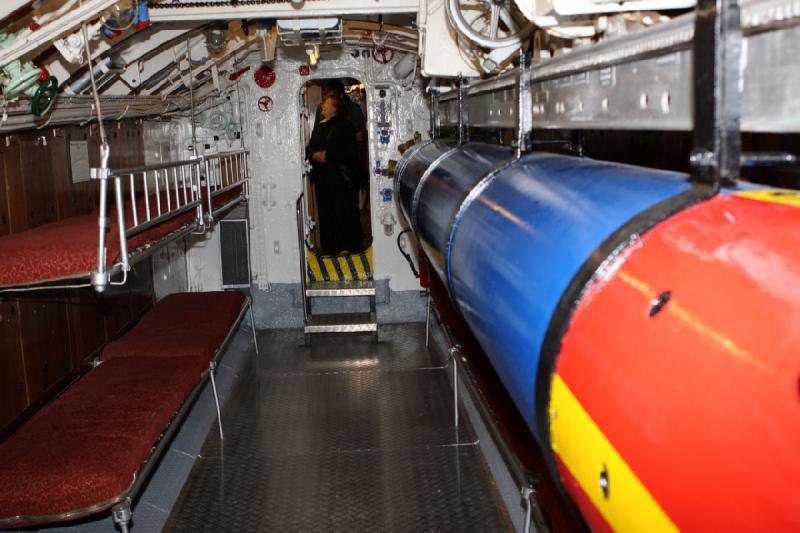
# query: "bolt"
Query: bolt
604,483
657,304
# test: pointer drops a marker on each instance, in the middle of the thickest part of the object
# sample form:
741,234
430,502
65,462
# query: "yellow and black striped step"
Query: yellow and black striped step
343,267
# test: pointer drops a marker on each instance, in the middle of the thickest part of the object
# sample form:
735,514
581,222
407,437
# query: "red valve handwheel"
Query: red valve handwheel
264,77
305,70
265,104
382,55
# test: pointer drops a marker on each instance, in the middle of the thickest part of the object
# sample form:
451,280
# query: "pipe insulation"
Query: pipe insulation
646,328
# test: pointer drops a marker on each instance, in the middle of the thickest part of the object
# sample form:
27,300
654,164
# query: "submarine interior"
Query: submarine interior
436,265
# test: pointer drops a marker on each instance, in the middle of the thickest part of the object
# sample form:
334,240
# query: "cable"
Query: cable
406,255
95,94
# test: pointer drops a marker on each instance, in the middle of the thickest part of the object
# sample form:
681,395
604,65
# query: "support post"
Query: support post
463,112
121,514
212,368
428,319
716,156
454,357
100,278
253,325
524,104
435,128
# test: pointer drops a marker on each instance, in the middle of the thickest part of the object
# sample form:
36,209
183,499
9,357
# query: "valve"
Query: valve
44,96
265,104
22,79
382,55
304,70
264,77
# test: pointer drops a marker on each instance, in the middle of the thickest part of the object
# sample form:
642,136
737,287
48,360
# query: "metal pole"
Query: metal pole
527,492
191,96
463,115
252,318
453,356
717,149
524,104
428,319
212,368
435,114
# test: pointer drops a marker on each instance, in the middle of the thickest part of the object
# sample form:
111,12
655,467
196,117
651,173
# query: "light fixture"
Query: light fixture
216,38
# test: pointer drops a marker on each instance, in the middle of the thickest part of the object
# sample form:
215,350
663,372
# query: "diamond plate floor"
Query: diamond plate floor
344,435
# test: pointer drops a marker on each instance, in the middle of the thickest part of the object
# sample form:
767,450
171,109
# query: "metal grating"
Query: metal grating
349,436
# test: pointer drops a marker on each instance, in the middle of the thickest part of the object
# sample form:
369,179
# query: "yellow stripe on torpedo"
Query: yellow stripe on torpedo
587,453
780,196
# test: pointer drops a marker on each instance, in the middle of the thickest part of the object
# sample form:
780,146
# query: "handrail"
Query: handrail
224,171
301,243
157,192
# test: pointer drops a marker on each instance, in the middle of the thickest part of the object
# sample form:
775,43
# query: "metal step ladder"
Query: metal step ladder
363,322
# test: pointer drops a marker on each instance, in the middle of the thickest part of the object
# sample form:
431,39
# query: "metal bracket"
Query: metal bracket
716,156
463,114
524,104
435,128
121,514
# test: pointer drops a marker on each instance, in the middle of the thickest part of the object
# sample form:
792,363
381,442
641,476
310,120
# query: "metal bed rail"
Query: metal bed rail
223,172
148,195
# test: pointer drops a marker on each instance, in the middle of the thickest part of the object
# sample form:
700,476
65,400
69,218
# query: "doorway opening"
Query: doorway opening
336,184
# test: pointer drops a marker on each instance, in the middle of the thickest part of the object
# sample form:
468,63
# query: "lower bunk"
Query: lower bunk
94,447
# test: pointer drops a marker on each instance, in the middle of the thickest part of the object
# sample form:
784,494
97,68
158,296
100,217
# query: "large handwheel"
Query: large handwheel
265,104
382,55
45,96
489,36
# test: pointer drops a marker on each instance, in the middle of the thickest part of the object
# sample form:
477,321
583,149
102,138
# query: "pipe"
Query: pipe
84,81
645,328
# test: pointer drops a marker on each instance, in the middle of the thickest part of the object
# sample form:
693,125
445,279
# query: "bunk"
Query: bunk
160,202
93,448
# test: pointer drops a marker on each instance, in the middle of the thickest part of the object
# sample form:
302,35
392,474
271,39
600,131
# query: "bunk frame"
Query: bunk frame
121,504
160,203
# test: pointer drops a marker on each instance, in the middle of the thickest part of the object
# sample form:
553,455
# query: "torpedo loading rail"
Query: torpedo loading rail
618,306
644,80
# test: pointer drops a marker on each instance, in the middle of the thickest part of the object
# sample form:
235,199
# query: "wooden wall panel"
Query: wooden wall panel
4,216
13,397
84,194
15,188
141,285
47,340
60,168
37,179
86,327
44,333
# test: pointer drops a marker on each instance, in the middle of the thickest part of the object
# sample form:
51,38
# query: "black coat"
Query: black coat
335,183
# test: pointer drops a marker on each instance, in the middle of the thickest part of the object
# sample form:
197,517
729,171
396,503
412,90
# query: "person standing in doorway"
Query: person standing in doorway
334,173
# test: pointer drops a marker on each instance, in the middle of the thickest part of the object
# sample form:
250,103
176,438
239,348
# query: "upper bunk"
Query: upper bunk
151,206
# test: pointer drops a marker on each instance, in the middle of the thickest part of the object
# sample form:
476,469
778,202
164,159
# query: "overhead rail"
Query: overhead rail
238,9
645,81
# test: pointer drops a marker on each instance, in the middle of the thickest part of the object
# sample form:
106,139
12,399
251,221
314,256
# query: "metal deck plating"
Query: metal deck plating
345,435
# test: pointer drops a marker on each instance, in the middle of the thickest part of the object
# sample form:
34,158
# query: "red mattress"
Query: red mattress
84,449
181,325
222,199
68,248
